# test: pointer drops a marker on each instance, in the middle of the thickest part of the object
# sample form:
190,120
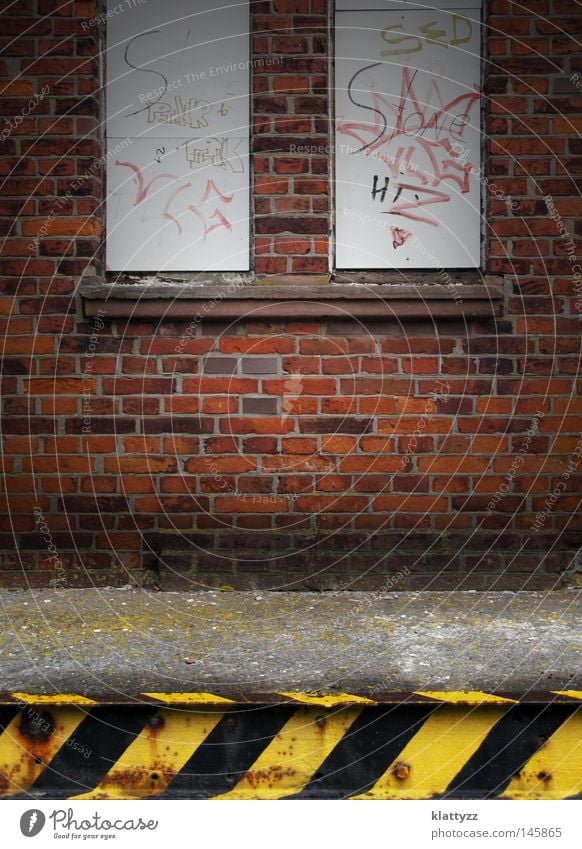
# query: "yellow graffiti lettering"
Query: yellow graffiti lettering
398,39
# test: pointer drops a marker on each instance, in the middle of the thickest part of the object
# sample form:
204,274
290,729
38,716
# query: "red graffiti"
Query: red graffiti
167,214
429,158
211,187
142,188
171,214
403,208
222,220
399,237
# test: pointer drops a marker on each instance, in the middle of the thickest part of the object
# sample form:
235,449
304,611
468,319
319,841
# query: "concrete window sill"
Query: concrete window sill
375,295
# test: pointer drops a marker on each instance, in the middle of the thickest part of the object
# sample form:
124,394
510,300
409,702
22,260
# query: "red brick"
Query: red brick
216,464
292,245
460,465
291,165
260,445
411,504
140,465
218,405
298,446
370,464
251,504
271,185
305,186
338,444
32,345
315,265
306,386
138,385
219,385
71,386
270,265
58,464
331,503
292,7
241,344
298,463
372,483
292,204
64,227
256,425
289,44
339,405
291,85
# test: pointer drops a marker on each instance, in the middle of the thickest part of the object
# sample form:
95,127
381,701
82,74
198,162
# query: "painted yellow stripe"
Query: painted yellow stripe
555,771
189,698
571,694
471,697
56,699
22,759
329,700
437,752
295,754
156,755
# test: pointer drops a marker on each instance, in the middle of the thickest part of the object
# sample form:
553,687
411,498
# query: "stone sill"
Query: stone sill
376,295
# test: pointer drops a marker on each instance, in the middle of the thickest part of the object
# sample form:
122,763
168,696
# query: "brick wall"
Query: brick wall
290,107
299,453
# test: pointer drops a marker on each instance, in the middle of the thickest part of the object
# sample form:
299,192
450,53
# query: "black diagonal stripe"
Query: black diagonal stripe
509,745
105,733
7,714
366,751
229,751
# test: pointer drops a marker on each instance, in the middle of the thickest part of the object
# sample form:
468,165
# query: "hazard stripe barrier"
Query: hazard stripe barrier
435,747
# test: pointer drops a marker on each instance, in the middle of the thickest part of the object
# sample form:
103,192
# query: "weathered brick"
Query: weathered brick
291,424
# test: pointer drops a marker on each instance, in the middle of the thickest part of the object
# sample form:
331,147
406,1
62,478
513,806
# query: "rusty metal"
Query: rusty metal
324,700
37,726
401,771
418,750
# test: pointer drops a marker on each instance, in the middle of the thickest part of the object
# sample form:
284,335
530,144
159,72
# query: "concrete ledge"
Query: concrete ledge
279,299
116,645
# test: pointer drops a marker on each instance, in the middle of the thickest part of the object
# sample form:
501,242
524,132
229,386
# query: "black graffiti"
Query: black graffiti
144,71
365,106
382,191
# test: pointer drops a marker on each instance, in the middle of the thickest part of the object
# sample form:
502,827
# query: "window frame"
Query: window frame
396,273
395,291
189,276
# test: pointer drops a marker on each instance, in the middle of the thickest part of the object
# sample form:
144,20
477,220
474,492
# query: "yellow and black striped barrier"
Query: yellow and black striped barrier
422,745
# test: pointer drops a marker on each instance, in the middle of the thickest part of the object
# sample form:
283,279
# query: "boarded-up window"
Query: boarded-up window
177,93
408,143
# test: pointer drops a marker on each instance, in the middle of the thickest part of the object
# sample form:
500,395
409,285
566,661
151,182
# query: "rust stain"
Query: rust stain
271,777
37,727
154,777
401,771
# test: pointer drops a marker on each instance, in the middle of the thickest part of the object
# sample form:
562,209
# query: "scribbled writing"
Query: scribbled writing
143,187
175,200
164,86
461,30
414,136
217,151
185,113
